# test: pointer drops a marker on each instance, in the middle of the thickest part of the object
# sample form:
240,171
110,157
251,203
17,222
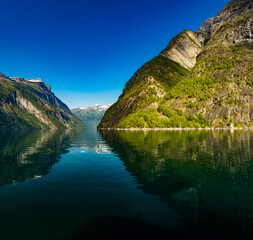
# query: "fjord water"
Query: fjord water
79,184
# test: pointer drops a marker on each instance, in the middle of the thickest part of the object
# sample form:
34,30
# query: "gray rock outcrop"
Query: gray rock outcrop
183,49
204,31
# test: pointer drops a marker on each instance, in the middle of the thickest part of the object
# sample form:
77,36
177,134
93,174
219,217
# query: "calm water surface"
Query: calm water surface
76,184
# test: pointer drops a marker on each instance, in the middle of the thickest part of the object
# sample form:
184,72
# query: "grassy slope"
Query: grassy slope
145,90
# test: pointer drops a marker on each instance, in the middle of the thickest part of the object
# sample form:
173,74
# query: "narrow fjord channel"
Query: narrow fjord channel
74,184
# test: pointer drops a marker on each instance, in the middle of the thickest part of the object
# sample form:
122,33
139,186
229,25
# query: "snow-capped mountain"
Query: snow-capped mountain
91,115
98,107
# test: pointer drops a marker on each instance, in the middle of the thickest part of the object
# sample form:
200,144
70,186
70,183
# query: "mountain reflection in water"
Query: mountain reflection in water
126,184
205,176
30,154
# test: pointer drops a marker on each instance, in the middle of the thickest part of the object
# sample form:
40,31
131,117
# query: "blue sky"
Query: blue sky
88,50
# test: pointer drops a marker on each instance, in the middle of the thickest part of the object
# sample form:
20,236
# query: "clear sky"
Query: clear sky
88,49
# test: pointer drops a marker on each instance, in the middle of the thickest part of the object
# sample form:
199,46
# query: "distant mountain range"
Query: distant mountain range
29,103
91,115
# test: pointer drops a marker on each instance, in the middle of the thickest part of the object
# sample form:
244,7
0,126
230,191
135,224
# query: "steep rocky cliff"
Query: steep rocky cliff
203,33
220,85
183,49
217,91
29,103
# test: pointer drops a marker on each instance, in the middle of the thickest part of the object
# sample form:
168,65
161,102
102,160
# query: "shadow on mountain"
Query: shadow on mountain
205,176
31,154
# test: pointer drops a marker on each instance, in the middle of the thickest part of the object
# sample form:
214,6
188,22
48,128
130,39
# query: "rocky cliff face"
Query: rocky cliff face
218,89
29,103
226,62
203,33
237,16
183,49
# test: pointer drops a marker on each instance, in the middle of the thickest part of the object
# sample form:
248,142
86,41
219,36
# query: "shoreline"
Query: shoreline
178,129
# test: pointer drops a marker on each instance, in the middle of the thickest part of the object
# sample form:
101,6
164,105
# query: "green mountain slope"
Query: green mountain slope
31,104
216,90
146,89
143,93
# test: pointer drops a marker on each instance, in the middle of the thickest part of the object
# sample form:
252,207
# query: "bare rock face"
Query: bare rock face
237,18
183,49
48,87
205,26
204,31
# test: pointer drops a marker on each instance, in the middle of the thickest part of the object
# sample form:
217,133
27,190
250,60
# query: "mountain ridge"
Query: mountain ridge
29,103
216,92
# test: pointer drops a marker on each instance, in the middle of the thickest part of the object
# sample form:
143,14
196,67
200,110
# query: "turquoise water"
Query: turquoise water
81,184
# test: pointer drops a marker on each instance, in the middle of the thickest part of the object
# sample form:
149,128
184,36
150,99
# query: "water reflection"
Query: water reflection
31,154
205,176
90,142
